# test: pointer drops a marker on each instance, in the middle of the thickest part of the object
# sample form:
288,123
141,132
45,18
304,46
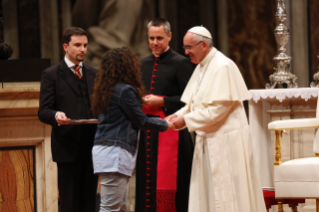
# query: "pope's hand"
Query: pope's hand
153,101
61,118
171,118
179,122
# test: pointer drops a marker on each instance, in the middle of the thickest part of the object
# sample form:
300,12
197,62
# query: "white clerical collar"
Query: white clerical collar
208,57
71,64
163,52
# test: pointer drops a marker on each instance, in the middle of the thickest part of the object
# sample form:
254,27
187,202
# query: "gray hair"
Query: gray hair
157,22
200,38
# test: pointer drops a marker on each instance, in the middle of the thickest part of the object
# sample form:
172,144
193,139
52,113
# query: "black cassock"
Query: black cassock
166,76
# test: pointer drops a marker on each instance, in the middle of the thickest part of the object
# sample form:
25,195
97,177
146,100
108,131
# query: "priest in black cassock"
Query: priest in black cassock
164,159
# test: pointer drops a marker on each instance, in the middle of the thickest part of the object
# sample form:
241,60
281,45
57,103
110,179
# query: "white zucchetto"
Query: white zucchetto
199,30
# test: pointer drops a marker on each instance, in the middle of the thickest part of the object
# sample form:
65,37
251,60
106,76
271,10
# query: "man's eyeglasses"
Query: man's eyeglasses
190,47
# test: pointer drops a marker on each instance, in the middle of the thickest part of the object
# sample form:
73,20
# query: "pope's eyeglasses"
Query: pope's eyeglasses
190,47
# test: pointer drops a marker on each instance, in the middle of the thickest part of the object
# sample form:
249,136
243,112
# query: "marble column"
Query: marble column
167,10
222,26
299,41
49,28
66,14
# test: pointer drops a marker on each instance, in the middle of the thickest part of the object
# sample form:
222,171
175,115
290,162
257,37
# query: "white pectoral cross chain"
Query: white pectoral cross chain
201,76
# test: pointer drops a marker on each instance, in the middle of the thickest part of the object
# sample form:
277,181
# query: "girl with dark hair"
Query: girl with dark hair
117,100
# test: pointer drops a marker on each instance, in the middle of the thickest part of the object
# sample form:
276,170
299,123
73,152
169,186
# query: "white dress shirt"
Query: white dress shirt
71,65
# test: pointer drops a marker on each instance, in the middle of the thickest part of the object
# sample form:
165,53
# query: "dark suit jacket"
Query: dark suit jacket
60,92
170,79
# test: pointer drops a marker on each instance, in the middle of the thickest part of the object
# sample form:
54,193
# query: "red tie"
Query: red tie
77,71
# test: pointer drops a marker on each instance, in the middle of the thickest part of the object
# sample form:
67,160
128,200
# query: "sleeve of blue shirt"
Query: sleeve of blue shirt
132,107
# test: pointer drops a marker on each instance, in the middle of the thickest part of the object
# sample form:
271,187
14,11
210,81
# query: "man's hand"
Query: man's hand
153,101
179,122
61,118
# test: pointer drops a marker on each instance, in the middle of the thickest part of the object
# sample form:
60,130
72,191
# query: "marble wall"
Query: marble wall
251,42
20,127
17,179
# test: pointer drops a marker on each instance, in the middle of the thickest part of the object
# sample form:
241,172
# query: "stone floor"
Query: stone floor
309,206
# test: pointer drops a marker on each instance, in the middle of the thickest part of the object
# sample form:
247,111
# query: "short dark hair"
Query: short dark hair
157,22
69,32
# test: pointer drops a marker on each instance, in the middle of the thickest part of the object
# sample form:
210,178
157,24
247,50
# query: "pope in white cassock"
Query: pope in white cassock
224,177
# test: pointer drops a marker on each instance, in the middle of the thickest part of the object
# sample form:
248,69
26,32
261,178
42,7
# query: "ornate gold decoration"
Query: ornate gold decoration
268,207
293,207
280,206
278,148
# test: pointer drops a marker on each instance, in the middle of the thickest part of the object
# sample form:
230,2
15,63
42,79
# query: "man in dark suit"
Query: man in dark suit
65,94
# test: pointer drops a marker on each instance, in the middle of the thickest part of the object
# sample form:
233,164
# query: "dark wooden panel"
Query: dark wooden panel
23,70
314,36
29,29
188,16
17,182
1,20
252,44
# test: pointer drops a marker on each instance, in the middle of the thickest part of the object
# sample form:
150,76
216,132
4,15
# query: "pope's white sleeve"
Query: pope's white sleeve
182,111
211,114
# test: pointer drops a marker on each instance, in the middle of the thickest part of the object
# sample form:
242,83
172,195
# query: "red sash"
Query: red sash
166,164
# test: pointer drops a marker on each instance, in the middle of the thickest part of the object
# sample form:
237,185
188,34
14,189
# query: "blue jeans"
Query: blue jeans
113,192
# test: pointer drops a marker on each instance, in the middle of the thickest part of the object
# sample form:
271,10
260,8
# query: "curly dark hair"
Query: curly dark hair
119,65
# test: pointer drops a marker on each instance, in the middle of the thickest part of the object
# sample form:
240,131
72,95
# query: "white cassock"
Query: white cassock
224,177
